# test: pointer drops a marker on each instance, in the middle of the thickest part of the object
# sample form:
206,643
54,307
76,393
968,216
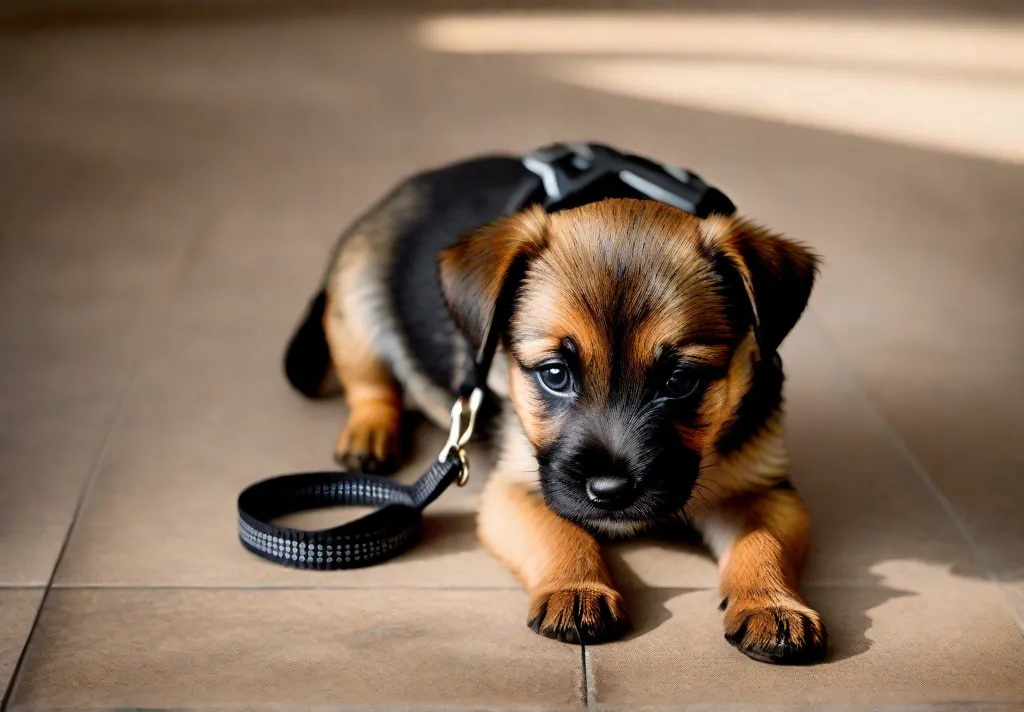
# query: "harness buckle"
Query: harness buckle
565,169
464,413
568,170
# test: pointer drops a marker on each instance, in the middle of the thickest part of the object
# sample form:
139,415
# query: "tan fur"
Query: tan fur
577,242
559,563
369,439
760,464
760,562
538,430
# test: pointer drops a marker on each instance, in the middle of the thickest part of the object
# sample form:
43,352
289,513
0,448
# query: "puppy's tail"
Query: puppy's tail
308,359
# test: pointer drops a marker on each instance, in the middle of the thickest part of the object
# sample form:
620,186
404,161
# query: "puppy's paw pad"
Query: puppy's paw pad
368,447
584,613
781,632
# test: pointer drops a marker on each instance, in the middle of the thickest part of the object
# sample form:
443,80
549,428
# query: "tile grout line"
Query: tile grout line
5,587
897,441
145,349
589,682
833,583
242,588
584,691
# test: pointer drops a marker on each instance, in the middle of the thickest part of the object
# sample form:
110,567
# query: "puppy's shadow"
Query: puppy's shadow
647,605
846,615
846,610
444,533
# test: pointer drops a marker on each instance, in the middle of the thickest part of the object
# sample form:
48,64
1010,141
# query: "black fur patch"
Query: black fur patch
455,200
739,310
757,406
308,359
781,292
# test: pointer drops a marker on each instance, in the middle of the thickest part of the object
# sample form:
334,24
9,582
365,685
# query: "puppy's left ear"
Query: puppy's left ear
476,269
777,274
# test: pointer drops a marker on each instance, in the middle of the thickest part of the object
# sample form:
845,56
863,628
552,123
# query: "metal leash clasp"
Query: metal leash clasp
463,421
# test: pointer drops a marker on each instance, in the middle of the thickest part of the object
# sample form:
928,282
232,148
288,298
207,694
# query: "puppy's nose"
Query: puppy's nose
610,491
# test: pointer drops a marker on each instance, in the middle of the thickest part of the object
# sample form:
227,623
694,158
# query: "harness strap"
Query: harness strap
562,176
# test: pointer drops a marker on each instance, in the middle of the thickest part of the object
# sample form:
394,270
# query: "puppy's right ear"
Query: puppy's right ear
476,268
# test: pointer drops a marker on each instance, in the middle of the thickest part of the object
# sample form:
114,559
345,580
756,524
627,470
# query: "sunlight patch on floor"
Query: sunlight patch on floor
984,120
943,86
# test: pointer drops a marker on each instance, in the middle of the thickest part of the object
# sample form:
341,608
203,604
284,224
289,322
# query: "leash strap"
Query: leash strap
380,535
562,176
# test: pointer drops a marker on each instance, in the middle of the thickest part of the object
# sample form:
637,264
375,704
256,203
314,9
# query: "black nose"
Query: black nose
610,490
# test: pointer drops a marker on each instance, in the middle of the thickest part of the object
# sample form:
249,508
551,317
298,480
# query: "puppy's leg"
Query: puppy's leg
760,542
369,440
572,595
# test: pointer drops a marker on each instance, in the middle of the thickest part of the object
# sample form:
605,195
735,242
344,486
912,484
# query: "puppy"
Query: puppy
637,385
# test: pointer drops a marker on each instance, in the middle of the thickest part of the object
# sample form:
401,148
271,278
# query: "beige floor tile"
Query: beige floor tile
118,142
79,334
78,308
269,649
965,649
938,346
968,445
869,507
18,607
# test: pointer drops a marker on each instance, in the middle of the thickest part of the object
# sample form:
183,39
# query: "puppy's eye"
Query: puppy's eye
683,383
554,376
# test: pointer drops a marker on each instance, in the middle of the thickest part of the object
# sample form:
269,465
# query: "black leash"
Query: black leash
562,176
376,537
385,533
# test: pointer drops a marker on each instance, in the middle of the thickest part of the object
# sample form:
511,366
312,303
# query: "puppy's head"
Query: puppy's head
630,337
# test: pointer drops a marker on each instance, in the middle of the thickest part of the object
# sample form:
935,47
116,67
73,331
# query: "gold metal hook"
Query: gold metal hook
464,413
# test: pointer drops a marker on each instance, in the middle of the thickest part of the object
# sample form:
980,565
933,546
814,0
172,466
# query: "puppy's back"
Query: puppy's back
387,261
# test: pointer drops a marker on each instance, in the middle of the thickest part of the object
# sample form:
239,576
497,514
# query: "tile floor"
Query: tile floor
168,194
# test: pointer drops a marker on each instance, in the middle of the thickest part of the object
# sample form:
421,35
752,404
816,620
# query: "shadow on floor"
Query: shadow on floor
445,533
848,635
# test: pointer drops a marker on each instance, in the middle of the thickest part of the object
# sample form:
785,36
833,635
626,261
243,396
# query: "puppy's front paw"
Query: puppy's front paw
368,444
775,629
579,613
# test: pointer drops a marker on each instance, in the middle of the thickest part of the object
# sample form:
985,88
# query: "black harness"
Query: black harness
559,177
